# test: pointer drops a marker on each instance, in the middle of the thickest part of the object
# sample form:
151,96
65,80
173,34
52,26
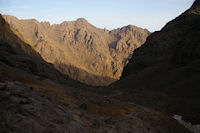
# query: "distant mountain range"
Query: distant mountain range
91,55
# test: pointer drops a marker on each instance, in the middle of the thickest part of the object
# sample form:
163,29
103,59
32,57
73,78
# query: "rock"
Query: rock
36,115
78,49
167,66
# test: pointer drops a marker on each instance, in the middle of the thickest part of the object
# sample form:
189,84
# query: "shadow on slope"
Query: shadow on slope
16,54
85,77
164,73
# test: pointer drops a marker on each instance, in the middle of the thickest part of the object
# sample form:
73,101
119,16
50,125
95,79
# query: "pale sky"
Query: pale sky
110,14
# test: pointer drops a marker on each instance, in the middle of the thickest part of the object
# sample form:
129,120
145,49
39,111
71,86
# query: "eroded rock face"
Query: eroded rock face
80,50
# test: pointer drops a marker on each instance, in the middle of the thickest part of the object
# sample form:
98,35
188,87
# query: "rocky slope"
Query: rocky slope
32,100
80,50
19,55
164,73
22,110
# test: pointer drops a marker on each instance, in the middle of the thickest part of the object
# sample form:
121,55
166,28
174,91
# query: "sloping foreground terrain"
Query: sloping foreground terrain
36,98
164,73
91,55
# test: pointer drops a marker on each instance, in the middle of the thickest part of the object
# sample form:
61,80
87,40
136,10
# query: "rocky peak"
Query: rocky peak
130,27
46,23
82,21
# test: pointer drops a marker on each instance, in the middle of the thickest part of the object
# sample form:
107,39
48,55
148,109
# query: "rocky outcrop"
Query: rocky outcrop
91,55
24,111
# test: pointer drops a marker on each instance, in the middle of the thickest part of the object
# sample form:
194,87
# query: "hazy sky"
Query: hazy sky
150,14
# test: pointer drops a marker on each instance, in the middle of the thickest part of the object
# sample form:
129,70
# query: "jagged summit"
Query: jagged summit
82,51
81,20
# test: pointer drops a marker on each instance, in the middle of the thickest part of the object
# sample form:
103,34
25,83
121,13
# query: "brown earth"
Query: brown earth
91,55
34,97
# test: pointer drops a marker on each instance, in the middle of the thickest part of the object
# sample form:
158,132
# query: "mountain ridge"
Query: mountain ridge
78,43
166,68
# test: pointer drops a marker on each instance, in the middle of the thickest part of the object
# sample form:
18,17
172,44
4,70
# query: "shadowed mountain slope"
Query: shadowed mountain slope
80,50
34,97
20,55
164,73
22,110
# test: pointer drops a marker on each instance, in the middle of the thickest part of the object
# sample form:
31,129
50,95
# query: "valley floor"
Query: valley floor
34,104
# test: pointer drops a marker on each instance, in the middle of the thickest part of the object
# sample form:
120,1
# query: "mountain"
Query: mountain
19,55
35,97
164,73
80,50
21,107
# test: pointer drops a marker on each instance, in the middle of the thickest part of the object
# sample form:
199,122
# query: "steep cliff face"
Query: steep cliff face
80,50
167,67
